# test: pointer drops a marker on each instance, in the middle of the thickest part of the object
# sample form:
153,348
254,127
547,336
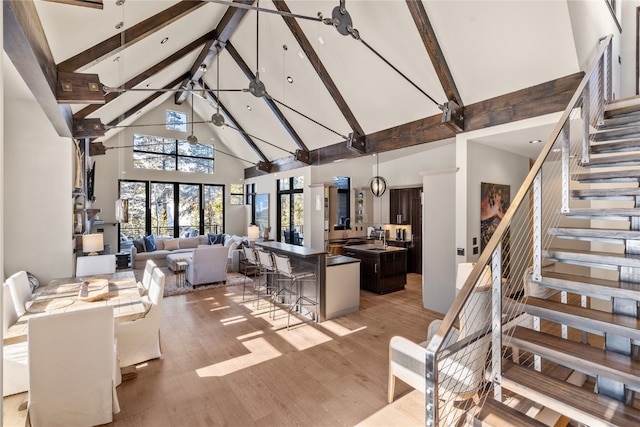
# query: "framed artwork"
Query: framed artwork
262,212
494,202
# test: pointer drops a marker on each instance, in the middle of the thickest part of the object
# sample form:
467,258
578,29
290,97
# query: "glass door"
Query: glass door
162,209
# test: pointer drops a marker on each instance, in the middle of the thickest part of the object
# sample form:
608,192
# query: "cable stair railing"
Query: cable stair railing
538,341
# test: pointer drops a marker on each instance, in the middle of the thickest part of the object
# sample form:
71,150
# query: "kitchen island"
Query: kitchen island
383,269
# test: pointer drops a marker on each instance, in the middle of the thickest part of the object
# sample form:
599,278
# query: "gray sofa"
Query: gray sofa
181,248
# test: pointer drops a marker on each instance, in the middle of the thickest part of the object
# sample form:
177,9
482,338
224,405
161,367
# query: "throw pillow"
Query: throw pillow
139,245
189,243
171,244
193,233
149,243
215,239
233,246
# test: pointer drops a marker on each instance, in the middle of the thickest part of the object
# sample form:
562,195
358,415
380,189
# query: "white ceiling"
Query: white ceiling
491,47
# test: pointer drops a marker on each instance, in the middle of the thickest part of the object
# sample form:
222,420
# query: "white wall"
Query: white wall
487,164
37,193
628,68
591,20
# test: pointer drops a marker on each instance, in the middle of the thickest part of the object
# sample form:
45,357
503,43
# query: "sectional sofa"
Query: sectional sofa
166,251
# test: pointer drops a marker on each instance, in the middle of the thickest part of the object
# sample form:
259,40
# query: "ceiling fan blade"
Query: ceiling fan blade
275,12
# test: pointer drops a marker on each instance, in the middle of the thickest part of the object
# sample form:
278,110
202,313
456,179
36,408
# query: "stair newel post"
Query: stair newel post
609,80
586,122
601,83
537,249
496,322
566,172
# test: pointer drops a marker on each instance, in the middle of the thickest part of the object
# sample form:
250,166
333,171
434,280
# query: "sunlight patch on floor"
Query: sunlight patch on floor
220,308
259,351
338,329
250,335
407,410
303,337
232,320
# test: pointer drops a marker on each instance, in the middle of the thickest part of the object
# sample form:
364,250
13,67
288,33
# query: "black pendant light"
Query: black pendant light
377,184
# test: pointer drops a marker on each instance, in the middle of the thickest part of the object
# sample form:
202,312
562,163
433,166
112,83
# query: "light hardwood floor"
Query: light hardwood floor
227,363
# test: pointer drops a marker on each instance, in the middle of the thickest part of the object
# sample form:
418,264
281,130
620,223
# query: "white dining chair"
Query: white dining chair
20,291
139,340
15,363
95,264
72,375
145,283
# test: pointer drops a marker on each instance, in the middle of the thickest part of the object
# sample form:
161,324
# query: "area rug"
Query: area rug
171,284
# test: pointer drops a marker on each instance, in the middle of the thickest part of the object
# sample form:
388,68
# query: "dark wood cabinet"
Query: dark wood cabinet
381,271
405,205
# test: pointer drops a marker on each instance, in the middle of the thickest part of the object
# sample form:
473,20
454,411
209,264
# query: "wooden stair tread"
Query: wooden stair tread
581,318
496,414
581,357
608,160
594,233
621,121
574,402
628,193
613,111
632,144
592,258
590,286
604,212
615,134
632,175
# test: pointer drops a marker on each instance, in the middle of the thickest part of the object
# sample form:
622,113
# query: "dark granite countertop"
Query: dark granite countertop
340,260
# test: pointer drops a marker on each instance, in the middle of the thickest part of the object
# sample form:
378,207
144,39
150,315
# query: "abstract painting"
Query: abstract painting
494,202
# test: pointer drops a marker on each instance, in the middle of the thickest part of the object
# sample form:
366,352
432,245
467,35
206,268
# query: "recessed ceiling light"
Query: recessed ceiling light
284,46
119,25
320,39
290,79
301,55
164,40
535,141
249,107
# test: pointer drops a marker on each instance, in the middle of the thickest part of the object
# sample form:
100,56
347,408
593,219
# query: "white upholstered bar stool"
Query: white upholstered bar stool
296,279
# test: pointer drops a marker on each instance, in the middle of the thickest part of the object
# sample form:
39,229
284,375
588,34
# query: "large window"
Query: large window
154,152
291,210
172,209
237,194
176,120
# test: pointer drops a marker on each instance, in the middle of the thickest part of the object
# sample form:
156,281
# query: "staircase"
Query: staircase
565,263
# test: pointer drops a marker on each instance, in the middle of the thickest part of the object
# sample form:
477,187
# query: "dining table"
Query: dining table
119,290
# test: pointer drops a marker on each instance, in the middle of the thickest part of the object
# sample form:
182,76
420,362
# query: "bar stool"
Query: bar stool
283,266
249,261
265,262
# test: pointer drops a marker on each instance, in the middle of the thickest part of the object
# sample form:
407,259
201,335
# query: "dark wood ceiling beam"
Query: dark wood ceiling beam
546,98
147,73
26,45
214,99
317,64
130,36
93,4
428,35
146,102
227,25
272,105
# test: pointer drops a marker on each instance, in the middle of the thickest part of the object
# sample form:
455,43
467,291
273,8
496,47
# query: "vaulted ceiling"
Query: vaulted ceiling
384,82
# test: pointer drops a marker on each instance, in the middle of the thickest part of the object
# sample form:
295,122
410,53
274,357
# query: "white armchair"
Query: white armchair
20,291
460,374
15,374
139,340
95,264
145,283
72,378
207,265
